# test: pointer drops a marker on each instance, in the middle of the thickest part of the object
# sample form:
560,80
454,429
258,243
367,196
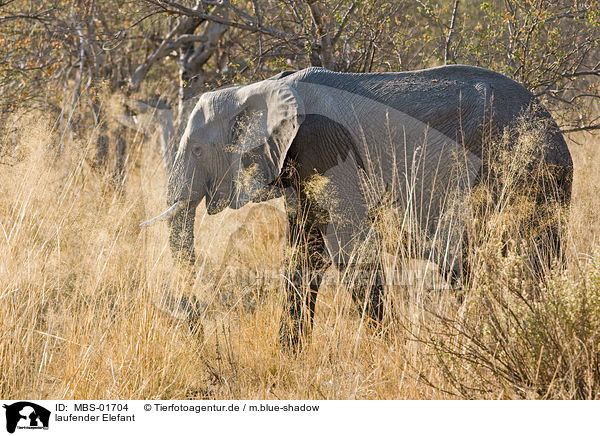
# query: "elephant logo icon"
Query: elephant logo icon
26,415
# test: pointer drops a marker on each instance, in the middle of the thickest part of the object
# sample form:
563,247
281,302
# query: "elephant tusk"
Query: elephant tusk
166,214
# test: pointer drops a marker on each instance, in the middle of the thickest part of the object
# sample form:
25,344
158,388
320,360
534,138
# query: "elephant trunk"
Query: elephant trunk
181,239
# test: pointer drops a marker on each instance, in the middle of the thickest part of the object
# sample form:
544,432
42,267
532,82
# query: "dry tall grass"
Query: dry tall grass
80,286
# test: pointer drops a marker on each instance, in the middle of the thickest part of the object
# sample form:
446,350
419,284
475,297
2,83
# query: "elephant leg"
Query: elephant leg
368,294
299,309
551,207
547,245
458,273
308,265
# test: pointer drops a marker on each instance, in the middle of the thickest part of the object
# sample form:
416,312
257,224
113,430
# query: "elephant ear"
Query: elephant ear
263,131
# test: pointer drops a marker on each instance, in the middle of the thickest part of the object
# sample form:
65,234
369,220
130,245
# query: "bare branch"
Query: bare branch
325,46
144,67
39,16
296,13
260,41
185,39
210,37
450,30
349,12
552,93
185,27
118,37
582,128
593,72
238,11
77,91
177,8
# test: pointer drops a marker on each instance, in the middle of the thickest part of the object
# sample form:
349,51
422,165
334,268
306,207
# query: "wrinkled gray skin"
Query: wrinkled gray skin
417,135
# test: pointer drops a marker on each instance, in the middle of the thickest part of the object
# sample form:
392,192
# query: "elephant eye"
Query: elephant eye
197,149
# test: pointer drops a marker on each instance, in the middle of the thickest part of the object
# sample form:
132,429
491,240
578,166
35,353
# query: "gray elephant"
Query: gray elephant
340,145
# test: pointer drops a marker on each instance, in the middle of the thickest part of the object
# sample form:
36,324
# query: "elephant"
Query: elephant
337,146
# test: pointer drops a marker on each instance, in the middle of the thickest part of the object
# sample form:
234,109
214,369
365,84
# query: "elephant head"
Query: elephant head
235,143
